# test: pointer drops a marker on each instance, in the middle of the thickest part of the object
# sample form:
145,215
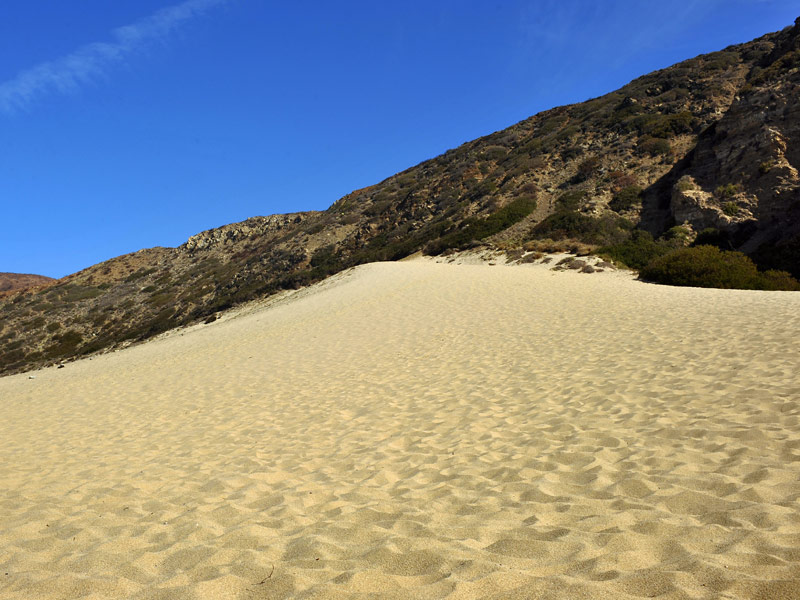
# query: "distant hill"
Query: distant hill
22,281
706,149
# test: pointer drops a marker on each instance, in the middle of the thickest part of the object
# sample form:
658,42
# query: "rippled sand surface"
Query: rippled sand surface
420,430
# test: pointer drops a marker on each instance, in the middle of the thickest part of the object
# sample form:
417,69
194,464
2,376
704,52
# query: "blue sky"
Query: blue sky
126,125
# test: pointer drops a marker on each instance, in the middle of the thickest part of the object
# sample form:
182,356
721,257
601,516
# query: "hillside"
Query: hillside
11,282
706,147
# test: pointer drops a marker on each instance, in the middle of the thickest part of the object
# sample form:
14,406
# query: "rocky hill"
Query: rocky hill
708,147
12,282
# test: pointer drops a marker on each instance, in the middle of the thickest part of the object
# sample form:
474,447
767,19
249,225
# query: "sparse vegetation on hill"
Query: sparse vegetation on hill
706,149
567,224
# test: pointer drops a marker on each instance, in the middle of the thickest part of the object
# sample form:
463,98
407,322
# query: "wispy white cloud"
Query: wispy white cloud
67,73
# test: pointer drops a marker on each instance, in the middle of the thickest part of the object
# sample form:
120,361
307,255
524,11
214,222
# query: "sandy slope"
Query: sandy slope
420,430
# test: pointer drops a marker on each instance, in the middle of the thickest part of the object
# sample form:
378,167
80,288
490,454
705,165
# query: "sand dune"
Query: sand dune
420,430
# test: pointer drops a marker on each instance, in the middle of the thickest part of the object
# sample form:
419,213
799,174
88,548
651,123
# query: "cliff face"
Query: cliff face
712,142
742,177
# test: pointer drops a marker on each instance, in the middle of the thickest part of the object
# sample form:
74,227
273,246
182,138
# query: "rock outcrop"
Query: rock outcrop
253,227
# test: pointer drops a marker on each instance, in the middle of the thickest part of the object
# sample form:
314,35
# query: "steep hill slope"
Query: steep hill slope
711,142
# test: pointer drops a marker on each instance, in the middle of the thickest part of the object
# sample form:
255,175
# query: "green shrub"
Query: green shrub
720,61
685,184
370,211
325,258
571,152
679,234
494,153
64,344
12,357
481,189
587,168
708,266
42,306
74,293
777,69
139,274
37,322
635,252
564,224
161,299
626,198
663,126
779,280
729,190
405,180
765,167
654,147
731,209
571,200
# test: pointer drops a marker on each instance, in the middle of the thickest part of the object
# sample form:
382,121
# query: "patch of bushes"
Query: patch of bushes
679,235
64,344
139,274
476,229
765,167
777,69
636,252
626,198
530,189
325,259
654,147
664,126
75,293
37,322
481,189
571,200
42,306
621,179
494,153
729,190
12,358
731,209
710,267
564,224
161,299
571,152
720,61
587,168
317,227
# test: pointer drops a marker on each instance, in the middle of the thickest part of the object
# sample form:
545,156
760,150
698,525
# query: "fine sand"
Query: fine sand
420,430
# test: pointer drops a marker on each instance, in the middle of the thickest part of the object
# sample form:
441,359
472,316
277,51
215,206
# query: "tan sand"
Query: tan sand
420,430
